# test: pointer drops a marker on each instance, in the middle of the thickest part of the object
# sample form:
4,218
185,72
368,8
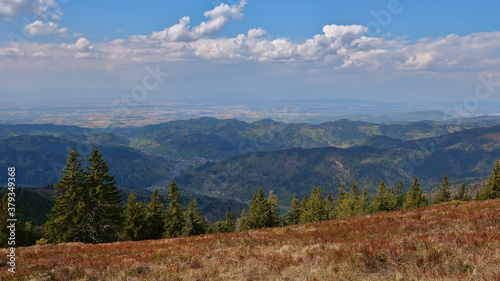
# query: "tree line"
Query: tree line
88,207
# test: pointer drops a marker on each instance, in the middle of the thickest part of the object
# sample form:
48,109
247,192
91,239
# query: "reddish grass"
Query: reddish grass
452,241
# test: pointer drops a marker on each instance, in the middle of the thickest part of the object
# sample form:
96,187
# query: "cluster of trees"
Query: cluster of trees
88,207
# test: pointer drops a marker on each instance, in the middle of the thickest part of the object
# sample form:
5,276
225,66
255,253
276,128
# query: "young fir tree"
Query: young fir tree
255,218
444,194
462,194
66,220
155,216
174,219
342,208
294,212
135,223
104,215
330,207
194,222
364,203
353,200
315,209
272,211
491,189
399,196
414,198
391,199
226,226
380,202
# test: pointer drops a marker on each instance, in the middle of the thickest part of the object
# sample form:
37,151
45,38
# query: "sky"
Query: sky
409,51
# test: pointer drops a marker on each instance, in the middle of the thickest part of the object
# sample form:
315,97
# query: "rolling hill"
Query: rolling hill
466,156
451,241
221,139
39,159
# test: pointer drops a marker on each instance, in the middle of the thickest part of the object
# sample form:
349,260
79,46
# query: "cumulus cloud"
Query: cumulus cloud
337,47
40,28
43,9
217,19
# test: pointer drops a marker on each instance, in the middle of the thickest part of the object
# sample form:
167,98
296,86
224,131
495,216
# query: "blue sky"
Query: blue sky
422,50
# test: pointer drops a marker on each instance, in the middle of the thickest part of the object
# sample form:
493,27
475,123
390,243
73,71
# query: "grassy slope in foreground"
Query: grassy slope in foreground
446,242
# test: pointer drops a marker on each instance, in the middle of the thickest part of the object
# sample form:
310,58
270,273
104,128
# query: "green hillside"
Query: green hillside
465,156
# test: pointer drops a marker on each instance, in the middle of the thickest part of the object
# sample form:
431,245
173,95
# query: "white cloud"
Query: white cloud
40,28
217,19
12,8
337,47
43,9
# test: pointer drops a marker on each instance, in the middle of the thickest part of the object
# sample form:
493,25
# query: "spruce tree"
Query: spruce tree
174,218
491,189
462,194
135,225
66,220
104,217
156,216
400,196
380,202
342,208
272,211
364,203
414,198
444,194
230,224
294,212
194,222
315,209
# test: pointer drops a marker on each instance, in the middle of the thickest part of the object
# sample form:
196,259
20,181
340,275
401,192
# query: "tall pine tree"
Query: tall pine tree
156,216
294,212
104,212
175,218
135,224
415,197
194,222
444,193
66,222
491,189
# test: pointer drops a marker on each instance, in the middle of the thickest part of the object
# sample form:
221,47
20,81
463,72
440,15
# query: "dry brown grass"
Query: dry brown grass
452,241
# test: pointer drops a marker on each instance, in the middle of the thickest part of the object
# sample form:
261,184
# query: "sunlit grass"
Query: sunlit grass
451,241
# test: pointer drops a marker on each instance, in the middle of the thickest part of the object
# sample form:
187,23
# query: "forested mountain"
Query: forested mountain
7,131
465,156
221,139
39,159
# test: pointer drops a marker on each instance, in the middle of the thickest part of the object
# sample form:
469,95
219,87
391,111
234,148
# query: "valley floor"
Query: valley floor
451,241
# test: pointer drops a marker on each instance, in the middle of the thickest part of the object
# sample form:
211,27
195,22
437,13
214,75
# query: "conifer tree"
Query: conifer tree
104,217
414,198
380,202
67,217
242,222
226,226
491,189
194,222
330,207
272,211
342,208
156,216
399,196
294,212
364,203
391,199
462,194
315,209
174,219
444,194
135,224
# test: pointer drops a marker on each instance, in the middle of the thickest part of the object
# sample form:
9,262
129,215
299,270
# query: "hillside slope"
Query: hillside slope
466,157
452,241
221,139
